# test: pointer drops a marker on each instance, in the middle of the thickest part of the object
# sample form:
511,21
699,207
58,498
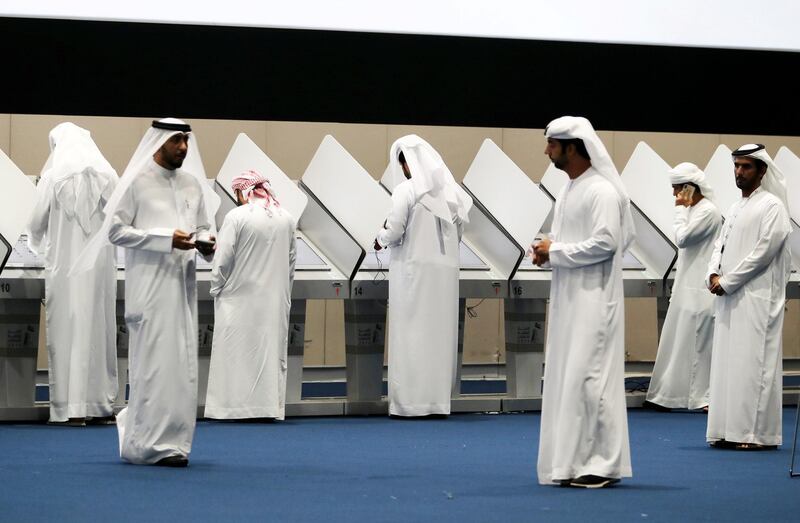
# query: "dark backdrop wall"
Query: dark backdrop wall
133,69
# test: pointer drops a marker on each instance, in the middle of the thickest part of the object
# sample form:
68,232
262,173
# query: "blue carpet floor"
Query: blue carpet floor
464,468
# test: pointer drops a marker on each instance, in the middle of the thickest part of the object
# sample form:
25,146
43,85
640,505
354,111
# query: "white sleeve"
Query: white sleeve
124,234
224,257
693,227
394,230
716,258
40,219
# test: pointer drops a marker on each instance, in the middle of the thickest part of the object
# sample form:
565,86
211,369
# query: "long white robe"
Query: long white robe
161,313
747,358
80,312
251,282
584,425
423,306
683,363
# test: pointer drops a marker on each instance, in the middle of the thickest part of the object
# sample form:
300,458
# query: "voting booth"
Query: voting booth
519,208
19,309
341,186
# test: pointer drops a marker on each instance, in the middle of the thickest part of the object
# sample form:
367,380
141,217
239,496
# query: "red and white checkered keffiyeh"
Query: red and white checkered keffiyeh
256,189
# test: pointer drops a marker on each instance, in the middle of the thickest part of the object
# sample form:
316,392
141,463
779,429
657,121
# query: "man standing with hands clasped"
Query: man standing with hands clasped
748,273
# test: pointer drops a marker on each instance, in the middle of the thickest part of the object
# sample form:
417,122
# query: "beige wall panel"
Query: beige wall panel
292,144
5,132
791,330
484,335
773,143
526,148
641,325
314,346
216,138
29,148
457,145
674,148
334,332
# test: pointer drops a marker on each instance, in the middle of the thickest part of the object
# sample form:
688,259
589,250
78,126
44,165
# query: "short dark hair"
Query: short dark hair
401,157
580,147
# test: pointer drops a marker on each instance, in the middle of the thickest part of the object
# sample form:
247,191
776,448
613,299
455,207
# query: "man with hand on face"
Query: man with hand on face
748,271
584,428
683,363
161,204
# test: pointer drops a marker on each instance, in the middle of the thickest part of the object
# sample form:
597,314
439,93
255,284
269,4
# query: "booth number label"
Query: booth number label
358,291
5,287
517,291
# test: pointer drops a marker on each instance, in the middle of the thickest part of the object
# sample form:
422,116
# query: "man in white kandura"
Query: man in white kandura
424,232
748,271
76,183
252,287
683,363
584,425
162,201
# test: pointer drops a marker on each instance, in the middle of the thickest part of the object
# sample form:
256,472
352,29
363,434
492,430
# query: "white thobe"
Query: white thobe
423,306
161,313
584,425
683,363
80,312
752,258
251,282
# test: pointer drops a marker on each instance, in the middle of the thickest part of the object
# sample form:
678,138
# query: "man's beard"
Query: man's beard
559,162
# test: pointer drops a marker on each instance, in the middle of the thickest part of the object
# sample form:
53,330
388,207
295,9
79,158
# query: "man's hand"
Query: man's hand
377,245
714,286
681,200
182,240
541,252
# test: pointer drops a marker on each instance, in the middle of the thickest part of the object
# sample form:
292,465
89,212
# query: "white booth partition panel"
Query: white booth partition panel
510,198
337,182
17,199
19,327
347,191
646,178
719,173
789,163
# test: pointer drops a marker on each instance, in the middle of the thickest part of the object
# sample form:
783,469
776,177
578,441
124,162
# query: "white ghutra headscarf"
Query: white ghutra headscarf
576,127
78,174
433,183
687,172
161,131
774,180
